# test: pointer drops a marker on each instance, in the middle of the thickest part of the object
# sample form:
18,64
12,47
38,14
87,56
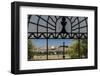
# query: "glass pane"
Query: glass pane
58,48
57,37
37,49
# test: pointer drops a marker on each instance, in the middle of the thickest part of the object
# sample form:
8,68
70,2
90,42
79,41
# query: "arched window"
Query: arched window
57,29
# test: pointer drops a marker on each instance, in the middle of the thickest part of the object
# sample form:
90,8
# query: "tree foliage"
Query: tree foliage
83,48
30,48
77,50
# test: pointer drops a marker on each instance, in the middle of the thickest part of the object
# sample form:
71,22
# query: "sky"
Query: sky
51,42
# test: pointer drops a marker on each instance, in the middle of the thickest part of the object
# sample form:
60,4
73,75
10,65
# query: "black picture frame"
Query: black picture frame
15,34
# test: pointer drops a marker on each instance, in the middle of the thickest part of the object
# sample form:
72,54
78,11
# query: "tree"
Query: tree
76,50
73,49
30,48
83,47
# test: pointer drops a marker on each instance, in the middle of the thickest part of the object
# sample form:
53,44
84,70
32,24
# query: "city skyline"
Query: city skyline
51,42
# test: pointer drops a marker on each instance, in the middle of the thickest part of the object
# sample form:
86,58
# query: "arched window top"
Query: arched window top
57,26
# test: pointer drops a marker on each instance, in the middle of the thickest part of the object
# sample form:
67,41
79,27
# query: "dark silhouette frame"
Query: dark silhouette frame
15,42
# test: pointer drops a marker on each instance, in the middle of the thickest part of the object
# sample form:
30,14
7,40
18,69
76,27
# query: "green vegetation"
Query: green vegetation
74,51
30,48
83,48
